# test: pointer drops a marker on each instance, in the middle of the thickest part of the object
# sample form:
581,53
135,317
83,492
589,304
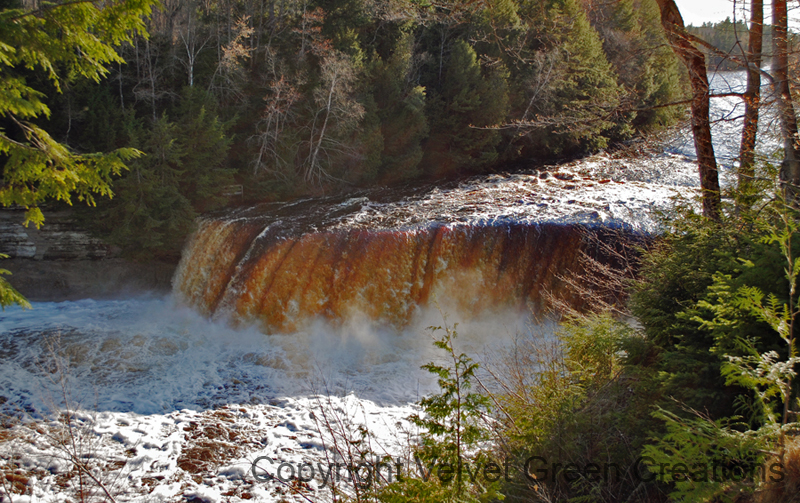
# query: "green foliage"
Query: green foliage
322,95
417,490
634,42
92,116
150,214
696,265
768,375
574,400
205,142
568,93
467,102
705,459
45,169
60,42
403,134
182,174
428,89
452,423
717,303
452,417
63,42
9,296
366,160
401,109
589,88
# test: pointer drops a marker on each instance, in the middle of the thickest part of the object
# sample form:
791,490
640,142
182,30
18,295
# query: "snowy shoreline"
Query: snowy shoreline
174,407
165,405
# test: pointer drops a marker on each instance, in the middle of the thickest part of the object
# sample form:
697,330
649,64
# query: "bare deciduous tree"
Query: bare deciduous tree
336,112
279,112
192,38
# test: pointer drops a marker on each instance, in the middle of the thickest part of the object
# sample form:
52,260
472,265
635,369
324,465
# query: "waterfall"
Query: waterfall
247,272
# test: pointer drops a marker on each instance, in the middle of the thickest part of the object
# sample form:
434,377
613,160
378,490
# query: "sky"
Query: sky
697,12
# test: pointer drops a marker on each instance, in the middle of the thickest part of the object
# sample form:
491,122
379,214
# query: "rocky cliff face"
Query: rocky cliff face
62,261
59,239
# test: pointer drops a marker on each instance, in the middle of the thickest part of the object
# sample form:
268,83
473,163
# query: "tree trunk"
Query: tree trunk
790,169
151,69
752,96
312,168
695,62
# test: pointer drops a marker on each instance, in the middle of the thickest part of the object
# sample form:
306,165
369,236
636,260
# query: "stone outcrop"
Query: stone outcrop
59,239
62,261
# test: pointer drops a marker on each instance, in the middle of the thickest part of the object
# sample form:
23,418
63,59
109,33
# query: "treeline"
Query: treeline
729,38
290,97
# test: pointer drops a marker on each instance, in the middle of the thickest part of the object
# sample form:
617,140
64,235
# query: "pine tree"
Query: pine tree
401,108
569,93
205,143
634,43
61,41
460,111
183,173
150,215
452,424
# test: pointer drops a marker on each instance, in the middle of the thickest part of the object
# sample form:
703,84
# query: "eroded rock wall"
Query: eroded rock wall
62,261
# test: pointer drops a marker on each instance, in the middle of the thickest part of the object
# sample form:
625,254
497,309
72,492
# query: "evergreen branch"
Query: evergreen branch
48,8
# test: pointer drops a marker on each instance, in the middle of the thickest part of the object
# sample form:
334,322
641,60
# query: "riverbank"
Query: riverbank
62,261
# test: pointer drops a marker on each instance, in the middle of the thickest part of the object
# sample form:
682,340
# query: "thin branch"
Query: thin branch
47,8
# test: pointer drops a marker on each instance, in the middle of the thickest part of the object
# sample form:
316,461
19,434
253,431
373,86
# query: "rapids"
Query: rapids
475,246
283,310
267,297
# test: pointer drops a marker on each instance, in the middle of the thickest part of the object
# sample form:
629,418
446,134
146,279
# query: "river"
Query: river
281,312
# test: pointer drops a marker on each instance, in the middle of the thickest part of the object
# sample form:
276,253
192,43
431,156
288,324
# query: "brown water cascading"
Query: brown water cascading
259,273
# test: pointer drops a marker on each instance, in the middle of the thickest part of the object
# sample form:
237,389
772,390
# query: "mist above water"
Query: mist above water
335,294
151,355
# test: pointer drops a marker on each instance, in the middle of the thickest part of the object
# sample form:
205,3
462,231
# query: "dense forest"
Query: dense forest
683,389
294,97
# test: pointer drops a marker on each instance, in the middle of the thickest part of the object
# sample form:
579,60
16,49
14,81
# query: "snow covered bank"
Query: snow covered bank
165,405
170,406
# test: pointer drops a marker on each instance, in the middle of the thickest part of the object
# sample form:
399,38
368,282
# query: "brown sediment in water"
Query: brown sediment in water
259,273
